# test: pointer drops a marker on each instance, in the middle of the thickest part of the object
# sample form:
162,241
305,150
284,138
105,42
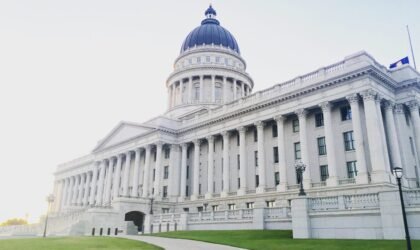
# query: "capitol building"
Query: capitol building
224,156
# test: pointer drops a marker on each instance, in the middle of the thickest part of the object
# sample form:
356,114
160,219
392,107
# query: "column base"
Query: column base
208,196
194,197
362,178
241,192
223,194
380,177
282,187
260,190
307,184
332,181
181,199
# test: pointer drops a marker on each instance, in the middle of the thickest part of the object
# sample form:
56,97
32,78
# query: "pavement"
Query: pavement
179,244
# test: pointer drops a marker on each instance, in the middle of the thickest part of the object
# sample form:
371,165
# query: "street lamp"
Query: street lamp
300,168
50,200
151,205
398,172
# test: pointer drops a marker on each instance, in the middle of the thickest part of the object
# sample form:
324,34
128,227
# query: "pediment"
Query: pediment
123,132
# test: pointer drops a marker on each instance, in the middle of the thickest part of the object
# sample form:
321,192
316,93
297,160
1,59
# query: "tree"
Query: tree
14,222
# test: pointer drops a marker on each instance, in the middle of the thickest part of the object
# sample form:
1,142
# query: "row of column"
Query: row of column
176,89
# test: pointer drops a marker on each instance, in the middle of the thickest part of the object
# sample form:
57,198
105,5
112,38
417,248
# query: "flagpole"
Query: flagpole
411,47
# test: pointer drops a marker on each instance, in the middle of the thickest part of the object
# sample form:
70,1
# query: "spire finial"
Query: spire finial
210,12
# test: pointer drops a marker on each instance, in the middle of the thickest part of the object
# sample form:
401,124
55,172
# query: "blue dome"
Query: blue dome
210,32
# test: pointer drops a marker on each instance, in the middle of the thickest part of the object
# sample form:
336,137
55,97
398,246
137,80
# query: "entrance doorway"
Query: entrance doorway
137,218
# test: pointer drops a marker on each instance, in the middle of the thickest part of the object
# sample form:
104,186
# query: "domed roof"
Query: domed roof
210,32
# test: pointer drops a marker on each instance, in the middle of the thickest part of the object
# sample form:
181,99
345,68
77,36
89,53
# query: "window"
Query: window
319,120
274,130
257,181
239,182
165,191
199,188
237,139
187,193
256,158
295,125
154,174
276,154
270,203
345,113
165,210
154,155
198,59
297,151
351,169
200,209
197,92
238,160
215,207
218,92
188,172
165,172
167,152
277,178
322,149
217,59
207,59
324,172
188,153
348,140
186,209
232,206
255,134
250,205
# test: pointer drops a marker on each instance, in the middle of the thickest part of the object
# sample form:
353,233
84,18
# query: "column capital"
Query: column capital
210,138
259,124
279,118
389,105
184,145
196,142
128,153
353,98
241,129
174,146
158,144
301,113
325,106
369,95
225,134
413,105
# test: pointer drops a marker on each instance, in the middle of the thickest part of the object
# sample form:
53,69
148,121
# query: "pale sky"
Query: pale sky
71,70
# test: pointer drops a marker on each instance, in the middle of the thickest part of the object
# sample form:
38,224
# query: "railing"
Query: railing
232,193
361,201
412,197
324,203
296,186
347,181
319,184
272,189
216,195
276,213
200,197
250,191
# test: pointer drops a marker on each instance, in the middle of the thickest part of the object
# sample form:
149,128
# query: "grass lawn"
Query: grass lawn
75,243
280,239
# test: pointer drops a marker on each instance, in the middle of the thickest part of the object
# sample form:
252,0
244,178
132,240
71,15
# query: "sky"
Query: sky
70,71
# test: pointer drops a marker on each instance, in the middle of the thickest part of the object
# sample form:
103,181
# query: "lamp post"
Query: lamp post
398,172
300,168
50,199
151,205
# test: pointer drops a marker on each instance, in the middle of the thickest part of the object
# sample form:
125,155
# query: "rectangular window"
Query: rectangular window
215,207
274,130
238,161
186,209
167,152
250,205
154,174
277,178
295,124
200,209
297,151
255,134
188,172
270,203
232,206
319,119
351,169
257,181
187,193
345,113
322,148
324,172
165,210
276,154
165,191
256,158
348,140
165,172
239,182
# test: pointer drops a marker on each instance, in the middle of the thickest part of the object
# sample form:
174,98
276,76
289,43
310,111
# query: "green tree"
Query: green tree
14,222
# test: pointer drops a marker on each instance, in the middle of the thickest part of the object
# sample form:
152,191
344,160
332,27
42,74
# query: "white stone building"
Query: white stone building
223,156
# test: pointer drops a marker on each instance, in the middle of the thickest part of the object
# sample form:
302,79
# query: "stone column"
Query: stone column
184,148
242,162
134,192
158,169
99,194
196,171
190,83
281,149
225,168
93,185
301,113
75,190
71,191
65,191
213,88
414,112
146,174
234,89
362,171
117,178
225,90
108,183
382,131
126,174
87,185
201,89
81,186
373,133
210,173
329,141
181,89
243,89
394,144
261,157
174,170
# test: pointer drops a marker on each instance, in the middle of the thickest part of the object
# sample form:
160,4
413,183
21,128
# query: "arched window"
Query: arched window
218,92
